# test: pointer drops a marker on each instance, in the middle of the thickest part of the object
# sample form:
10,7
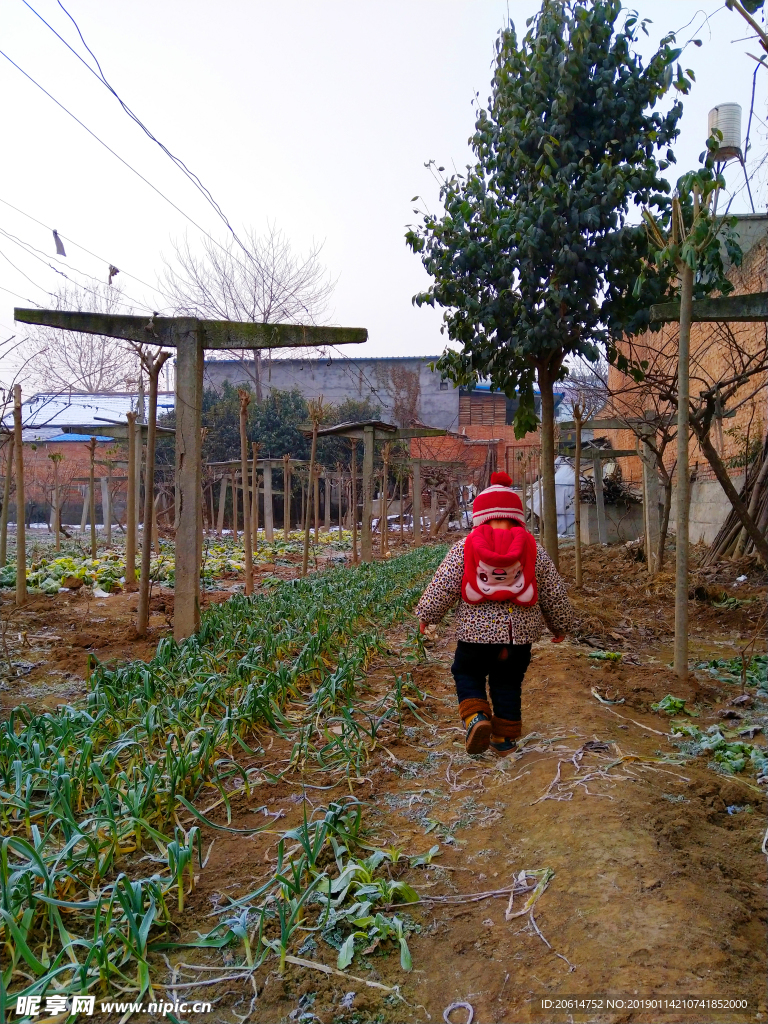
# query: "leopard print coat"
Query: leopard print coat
497,622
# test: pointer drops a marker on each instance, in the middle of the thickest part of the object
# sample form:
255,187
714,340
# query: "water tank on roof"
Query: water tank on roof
726,117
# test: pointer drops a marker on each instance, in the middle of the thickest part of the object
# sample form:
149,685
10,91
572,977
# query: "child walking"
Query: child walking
507,588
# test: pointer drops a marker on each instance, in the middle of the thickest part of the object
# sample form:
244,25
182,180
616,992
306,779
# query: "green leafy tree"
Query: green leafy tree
533,258
275,423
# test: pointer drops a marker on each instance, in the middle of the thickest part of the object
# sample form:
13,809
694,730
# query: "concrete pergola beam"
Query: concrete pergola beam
600,453
743,309
214,334
117,431
190,337
369,432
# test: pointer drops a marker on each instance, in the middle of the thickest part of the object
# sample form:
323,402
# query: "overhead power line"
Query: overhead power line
108,148
44,259
177,161
134,117
78,246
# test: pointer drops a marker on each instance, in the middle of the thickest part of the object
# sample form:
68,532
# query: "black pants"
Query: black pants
503,665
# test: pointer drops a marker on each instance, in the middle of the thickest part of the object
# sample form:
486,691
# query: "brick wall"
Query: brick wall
74,469
710,361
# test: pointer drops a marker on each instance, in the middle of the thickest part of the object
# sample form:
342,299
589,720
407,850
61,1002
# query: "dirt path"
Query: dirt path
657,890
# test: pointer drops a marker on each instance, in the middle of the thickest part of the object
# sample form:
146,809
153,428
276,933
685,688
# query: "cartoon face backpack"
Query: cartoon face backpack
499,565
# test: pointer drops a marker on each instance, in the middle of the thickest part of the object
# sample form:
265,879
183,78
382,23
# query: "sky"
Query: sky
318,118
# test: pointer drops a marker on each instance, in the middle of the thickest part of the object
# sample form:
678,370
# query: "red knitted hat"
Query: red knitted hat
498,501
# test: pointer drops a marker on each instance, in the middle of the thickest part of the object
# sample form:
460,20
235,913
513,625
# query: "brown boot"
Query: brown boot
504,735
477,720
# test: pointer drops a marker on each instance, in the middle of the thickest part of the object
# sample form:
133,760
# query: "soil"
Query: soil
45,645
659,885
658,890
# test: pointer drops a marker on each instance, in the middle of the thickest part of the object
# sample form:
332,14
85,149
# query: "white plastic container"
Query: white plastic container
726,117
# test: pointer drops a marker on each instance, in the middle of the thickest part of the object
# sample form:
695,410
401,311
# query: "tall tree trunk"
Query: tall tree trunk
683,474
546,375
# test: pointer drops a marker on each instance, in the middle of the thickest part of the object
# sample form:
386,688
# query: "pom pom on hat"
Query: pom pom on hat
498,501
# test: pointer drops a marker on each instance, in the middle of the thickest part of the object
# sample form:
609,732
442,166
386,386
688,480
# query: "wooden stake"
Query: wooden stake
6,501
21,526
245,399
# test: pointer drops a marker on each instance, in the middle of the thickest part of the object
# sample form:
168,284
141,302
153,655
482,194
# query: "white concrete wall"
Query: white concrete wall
708,510
622,523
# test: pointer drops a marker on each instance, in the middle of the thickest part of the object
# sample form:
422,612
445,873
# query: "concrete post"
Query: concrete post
269,513
130,509
602,532
189,368
222,503
138,442
416,511
433,513
316,501
21,526
245,399
86,502
6,501
650,508
92,497
354,501
327,500
106,510
286,496
367,540
235,509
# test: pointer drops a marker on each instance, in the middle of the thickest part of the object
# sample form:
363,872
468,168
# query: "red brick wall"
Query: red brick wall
709,362
73,473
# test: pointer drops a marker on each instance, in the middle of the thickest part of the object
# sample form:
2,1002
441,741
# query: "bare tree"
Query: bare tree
728,368
58,360
268,284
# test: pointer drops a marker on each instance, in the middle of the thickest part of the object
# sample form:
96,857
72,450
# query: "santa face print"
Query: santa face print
497,577
500,583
